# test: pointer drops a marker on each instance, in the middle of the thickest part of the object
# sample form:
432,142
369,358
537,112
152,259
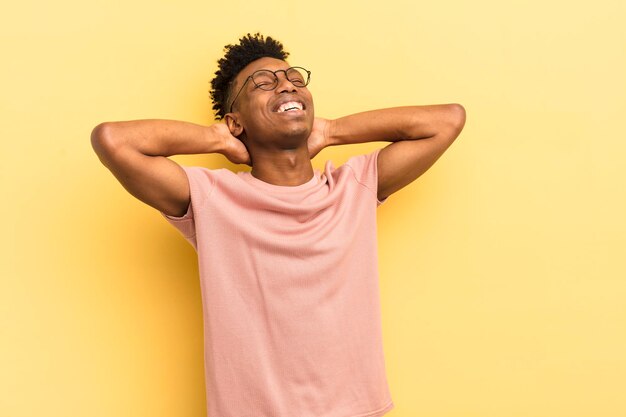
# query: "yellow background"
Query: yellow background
503,279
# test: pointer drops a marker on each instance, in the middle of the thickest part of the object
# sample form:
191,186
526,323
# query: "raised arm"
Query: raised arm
136,153
421,135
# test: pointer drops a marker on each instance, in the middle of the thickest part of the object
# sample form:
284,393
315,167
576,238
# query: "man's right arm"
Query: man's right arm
136,153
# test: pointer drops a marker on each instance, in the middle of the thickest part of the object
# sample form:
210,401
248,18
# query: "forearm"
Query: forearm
157,137
395,124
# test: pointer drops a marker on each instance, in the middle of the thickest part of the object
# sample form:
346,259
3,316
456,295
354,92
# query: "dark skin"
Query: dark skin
276,141
282,145
279,146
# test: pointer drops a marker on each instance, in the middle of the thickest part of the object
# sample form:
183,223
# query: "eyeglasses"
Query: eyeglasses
268,80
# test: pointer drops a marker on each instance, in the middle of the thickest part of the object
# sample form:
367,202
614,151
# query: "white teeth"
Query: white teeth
291,105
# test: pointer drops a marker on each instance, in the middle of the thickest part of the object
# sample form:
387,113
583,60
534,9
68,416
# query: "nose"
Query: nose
284,85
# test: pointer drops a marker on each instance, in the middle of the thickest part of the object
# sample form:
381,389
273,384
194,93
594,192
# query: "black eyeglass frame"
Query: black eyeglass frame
275,84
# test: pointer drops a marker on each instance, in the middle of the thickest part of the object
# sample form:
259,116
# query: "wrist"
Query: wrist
214,140
330,138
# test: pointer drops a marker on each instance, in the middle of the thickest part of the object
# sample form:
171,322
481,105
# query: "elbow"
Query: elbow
100,135
455,120
458,116
103,142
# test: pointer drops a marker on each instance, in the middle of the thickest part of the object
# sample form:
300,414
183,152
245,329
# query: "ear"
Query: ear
232,121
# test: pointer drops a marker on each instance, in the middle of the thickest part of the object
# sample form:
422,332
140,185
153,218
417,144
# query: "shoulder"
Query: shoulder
361,162
359,170
204,175
363,168
202,181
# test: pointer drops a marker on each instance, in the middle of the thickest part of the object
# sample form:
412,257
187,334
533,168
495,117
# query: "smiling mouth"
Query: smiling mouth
290,106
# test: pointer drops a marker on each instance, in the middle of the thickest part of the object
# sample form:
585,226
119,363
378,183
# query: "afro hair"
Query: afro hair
236,57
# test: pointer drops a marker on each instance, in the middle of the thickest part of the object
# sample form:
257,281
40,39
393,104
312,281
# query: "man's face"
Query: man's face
259,111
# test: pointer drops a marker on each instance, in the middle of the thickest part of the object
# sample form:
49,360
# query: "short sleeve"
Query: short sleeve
365,169
200,185
185,223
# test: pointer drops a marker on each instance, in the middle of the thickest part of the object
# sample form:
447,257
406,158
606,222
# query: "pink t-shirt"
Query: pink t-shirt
289,280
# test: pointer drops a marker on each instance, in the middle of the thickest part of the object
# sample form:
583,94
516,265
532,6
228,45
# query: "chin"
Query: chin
292,137
299,131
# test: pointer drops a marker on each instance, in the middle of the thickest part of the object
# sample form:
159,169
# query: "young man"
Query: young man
287,254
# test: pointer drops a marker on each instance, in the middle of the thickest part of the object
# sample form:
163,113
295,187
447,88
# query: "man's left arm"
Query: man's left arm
421,134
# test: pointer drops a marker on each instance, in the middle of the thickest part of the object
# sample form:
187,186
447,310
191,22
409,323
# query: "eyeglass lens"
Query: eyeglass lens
267,80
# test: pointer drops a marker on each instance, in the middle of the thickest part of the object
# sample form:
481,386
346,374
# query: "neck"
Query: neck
282,167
